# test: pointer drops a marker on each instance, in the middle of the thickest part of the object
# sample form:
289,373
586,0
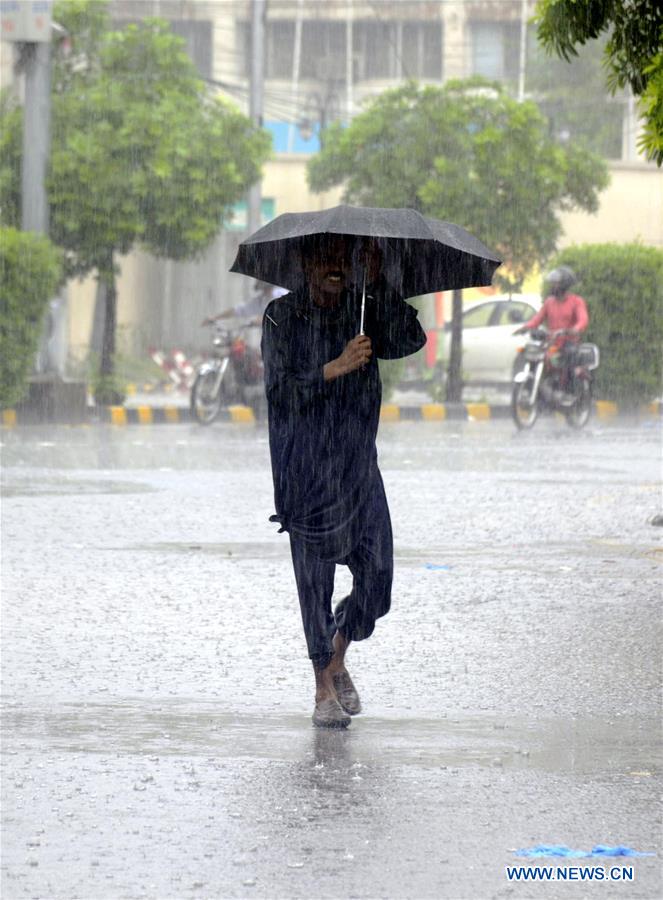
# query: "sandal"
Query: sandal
329,714
347,693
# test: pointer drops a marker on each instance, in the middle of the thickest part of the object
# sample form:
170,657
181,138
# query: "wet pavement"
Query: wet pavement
157,695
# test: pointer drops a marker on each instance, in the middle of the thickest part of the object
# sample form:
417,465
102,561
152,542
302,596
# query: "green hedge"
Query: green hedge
623,287
30,271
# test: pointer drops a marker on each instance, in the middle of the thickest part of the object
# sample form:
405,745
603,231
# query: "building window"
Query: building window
198,39
380,50
280,42
422,50
243,47
495,49
374,49
397,50
323,50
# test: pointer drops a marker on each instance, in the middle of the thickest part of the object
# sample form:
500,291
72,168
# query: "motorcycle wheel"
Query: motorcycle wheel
578,415
205,404
523,412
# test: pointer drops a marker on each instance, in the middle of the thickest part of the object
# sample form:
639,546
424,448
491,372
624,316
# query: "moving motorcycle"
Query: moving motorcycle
233,375
537,387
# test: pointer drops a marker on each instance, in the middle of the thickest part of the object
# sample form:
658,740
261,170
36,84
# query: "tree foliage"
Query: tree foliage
632,53
651,107
142,154
30,271
467,153
623,287
11,124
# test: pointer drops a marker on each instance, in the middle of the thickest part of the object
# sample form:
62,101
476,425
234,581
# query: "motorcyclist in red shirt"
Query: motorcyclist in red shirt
561,311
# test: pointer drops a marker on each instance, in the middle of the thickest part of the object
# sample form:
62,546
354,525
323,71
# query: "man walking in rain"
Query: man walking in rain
324,394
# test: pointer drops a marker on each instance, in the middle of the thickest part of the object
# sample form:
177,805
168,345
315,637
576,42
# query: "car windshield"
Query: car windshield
515,312
479,316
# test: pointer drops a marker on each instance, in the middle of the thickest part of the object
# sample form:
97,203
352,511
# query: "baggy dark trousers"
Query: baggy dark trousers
371,563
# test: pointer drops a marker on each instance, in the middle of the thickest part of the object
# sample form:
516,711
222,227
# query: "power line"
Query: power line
287,111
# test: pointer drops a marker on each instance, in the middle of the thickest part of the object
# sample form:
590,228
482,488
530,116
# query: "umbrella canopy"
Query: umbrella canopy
419,255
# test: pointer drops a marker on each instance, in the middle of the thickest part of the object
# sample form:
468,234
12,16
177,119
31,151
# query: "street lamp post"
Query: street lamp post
321,108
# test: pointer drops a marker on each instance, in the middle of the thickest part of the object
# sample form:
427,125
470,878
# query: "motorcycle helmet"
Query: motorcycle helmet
559,280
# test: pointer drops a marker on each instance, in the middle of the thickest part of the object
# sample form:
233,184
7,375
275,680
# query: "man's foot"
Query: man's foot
347,693
328,714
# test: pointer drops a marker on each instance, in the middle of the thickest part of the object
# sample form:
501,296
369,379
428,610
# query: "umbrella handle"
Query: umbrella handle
363,305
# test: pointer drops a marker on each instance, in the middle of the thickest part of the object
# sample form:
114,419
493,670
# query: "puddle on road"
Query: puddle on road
57,487
230,549
502,557
656,554
624,745
451,560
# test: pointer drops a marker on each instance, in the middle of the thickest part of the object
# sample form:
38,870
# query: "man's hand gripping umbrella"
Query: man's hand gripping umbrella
358,351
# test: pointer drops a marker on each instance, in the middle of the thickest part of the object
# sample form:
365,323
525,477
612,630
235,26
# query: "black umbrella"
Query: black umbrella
419,255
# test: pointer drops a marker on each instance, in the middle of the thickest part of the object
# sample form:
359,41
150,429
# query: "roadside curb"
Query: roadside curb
169,415
390,412
482,412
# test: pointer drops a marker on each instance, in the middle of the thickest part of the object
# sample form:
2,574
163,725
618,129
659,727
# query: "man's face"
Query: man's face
329,267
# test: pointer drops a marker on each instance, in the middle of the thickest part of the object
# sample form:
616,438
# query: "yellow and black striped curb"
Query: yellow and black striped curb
157,415
481,412
390,412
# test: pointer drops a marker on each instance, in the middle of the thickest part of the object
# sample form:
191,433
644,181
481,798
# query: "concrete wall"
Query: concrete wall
631,209
285,181
161,303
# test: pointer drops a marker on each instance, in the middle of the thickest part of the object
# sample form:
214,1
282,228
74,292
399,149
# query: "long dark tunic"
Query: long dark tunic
322,434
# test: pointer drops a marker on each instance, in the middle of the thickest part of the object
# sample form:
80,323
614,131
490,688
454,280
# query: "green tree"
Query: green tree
11,124
623,286
30,271
633,51
142,154
468,153
651,107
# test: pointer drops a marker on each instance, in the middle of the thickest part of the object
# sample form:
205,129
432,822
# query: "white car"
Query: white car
489,345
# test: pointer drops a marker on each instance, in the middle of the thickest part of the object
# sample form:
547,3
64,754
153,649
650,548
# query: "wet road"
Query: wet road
157,695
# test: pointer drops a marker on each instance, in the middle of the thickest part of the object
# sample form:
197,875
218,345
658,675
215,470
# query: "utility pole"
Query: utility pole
256,99
36,137
36,152
28,26
454,389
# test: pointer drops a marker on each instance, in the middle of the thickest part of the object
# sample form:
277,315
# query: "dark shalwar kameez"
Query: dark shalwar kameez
328,489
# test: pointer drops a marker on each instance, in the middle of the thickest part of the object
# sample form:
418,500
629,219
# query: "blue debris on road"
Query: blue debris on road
562,850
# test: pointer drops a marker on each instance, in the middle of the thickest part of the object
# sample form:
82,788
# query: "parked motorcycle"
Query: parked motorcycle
233,375
537,387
